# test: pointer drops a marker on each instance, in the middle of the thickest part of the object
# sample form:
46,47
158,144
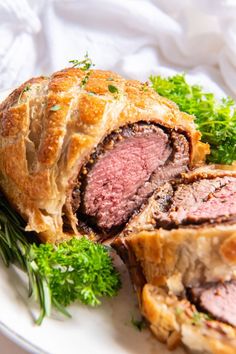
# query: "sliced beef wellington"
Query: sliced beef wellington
181,252
217,299
176,321
81,151
124,171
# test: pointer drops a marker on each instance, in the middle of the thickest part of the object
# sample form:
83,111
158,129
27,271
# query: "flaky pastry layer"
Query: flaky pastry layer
49,126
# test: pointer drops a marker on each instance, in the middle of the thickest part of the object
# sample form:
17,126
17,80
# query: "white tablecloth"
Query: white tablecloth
133,37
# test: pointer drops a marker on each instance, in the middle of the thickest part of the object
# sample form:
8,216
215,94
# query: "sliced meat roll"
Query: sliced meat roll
81,151
182,245
175,321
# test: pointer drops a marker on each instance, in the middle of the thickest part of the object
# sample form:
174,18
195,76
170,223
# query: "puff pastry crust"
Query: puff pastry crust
174,321
49,126
185,256
163,263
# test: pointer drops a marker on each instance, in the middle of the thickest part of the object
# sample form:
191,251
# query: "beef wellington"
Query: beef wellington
81,151
181,253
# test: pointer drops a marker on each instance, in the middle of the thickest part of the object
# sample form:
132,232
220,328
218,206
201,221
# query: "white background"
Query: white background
133,37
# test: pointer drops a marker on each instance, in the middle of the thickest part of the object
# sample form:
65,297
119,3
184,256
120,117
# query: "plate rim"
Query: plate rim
4,329
19,340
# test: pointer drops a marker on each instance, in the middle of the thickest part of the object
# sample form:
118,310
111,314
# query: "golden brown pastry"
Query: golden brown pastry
59,134
181,253
175,320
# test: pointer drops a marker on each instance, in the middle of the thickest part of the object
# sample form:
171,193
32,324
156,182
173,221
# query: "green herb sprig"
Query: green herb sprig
84,64
58,275
198,317
55,108
85,79
25,89
139,324
113,89
215,119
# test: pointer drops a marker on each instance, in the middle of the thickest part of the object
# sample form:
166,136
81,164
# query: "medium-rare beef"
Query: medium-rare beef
217,299
180,203
125,170
187,253
174,320
49,132
177,204
204,200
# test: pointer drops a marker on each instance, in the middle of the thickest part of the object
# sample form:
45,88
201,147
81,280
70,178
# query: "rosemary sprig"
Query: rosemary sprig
57,275
15,249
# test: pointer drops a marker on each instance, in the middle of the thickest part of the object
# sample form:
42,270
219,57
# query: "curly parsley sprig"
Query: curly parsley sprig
215,119
57,275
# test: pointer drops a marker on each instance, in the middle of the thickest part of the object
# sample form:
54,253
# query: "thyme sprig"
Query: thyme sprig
84,64
25,89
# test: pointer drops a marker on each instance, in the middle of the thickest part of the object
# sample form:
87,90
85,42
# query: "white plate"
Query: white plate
106,329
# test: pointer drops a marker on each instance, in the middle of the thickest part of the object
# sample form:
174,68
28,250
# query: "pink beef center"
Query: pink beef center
218,299
204,200
113,184
220,203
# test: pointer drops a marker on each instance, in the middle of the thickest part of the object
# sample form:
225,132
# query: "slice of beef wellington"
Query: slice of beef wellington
176,320
80,157
181,253
125,170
